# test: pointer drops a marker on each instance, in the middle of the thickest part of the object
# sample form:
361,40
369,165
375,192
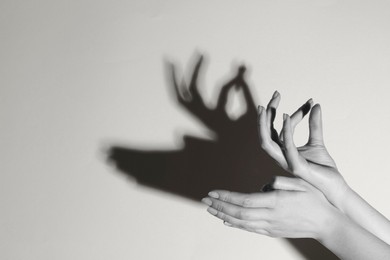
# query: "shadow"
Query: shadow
232,161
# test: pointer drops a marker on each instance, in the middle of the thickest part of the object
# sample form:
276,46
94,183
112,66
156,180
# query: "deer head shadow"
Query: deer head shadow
232,161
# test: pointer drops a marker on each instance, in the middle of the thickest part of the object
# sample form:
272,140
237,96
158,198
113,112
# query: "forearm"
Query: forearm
348,240
357,209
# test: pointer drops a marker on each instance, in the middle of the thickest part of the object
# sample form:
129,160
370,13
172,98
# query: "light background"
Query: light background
76,76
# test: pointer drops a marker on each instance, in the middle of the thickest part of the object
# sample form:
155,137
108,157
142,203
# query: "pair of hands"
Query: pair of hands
298,207
310,162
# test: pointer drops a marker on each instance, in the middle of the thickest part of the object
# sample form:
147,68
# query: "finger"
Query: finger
235,211
298,115
260,231
253,200
315,126
243,224
271,108
263,131
291,152
195,74
288,183
301,113
267,188
266,142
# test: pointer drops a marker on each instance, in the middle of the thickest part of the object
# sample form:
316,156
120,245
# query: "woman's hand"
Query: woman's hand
310,162
313,163
295,209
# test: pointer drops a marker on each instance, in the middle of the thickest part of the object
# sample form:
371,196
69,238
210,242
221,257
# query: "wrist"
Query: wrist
331,225
344,195
339,193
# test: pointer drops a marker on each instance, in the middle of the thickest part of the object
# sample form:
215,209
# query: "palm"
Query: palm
317,155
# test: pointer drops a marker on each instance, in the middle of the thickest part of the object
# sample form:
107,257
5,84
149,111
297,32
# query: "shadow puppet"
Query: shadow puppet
232,161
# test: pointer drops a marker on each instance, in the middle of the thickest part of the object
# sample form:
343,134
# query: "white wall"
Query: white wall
77,76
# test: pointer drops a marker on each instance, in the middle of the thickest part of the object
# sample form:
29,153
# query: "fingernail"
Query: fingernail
227,224
267,187
213,194
212,211
207,201
276,93
310,101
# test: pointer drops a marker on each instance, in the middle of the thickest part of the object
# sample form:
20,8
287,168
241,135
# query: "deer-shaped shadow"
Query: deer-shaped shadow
232,161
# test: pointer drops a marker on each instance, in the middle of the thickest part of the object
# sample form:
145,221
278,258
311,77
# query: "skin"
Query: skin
313,163
274,213
317,204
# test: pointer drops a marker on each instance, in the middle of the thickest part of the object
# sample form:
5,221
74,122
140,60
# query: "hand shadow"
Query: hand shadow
232,161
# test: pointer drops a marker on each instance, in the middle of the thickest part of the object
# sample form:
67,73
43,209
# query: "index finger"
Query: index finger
253,200
298,115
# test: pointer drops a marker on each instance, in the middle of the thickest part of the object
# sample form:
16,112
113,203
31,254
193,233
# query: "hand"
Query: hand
310,162
295,209
269,138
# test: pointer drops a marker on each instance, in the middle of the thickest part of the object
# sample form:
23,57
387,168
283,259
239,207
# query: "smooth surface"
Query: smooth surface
78,76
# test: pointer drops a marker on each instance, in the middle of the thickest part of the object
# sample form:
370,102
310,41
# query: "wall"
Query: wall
80,76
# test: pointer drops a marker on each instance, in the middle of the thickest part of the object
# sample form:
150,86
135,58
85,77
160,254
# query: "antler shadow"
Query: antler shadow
232,161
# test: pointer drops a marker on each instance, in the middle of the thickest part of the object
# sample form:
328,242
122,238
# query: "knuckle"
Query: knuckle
275,199
296,170
219,206
302,183
245,225
277,180
226,197
222,216
265,145
247,202
242,214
